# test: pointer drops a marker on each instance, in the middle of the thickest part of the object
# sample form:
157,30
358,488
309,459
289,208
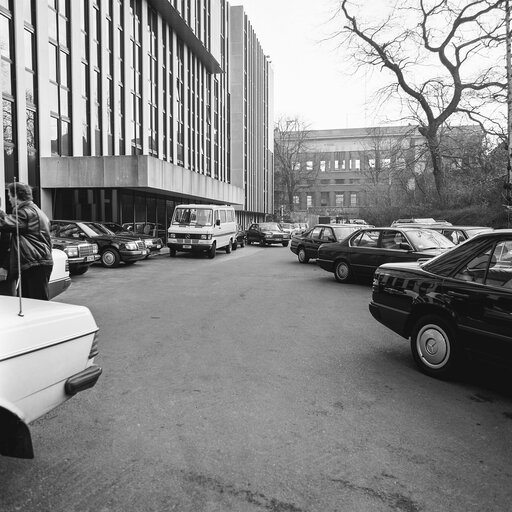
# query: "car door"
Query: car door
394,247
253,234
313,242
364,252
480,292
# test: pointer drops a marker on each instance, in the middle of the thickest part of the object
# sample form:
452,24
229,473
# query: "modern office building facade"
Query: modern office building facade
121,109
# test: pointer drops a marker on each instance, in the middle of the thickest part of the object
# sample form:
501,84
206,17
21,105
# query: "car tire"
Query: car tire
285,244
302,256
110,258
342,272
262,243
78,271
212,250
172,253
235,245
249,242
434,347
242,244
228,247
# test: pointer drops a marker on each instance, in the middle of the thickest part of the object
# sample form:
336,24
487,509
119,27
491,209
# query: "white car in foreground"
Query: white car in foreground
59,278
46,356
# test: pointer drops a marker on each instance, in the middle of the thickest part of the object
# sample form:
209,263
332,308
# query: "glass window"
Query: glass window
5,43
29,37
366,239
316,232
54,135
476,268
52,62
6,77
327,234
500,268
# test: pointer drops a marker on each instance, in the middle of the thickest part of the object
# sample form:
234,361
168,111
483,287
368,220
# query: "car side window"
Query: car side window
315,234
70,231
500,268
327,234
54,229
392,239
366,239
476,268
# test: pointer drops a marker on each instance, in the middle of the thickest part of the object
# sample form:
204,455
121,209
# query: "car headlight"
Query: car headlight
172,235
72,252
131,246
148,243
95,248
206,237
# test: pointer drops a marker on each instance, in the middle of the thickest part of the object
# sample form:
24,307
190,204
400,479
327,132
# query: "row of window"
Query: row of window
341,199
345,165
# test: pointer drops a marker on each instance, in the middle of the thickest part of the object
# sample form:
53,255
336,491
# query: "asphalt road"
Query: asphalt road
249,383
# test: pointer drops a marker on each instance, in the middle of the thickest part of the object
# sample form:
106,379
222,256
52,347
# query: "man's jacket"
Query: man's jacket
34,234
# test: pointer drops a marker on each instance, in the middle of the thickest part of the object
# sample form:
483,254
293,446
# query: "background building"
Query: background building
340,172
120,109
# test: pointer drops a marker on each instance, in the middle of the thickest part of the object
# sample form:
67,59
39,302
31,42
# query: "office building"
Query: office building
121,109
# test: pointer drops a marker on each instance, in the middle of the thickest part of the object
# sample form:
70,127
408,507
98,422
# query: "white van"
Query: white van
202,228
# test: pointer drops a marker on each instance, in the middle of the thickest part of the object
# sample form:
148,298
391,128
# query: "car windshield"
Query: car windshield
115,228
193,216
343,231
102,230
285,225
270,226
424,239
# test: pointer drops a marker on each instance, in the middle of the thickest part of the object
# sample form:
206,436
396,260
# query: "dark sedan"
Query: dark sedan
154,244
456,234
360,254
455,304
267,233
112,248
81,254
306,245
240,237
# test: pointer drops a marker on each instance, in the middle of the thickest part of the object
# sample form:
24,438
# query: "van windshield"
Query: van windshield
193,216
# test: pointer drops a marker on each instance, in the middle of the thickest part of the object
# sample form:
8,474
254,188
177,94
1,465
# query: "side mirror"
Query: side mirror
405,246
217,222
331,239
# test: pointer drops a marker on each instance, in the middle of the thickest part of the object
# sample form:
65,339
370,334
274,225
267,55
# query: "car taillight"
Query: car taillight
94,347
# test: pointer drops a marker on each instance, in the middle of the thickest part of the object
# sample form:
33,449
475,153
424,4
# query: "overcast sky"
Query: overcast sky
312,79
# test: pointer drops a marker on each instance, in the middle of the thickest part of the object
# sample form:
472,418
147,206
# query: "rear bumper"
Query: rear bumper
392,318
83,380
325,264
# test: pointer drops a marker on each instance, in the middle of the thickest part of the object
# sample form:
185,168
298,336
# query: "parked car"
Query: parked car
153,244
306,245
46,356
267,233
421,221
112,248
59,278
456,234
153,229
361,253
288,227
240,237
81,254
455,304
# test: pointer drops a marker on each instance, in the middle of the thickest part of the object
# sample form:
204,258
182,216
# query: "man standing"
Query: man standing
35,245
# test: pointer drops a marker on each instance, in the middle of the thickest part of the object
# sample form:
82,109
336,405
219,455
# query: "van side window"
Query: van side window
222,216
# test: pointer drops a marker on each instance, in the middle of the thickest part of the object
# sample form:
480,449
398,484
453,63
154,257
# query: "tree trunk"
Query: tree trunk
434,149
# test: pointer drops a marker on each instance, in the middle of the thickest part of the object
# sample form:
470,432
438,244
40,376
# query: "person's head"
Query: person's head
19,190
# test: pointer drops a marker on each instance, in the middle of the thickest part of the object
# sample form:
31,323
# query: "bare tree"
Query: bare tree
292,172
446,58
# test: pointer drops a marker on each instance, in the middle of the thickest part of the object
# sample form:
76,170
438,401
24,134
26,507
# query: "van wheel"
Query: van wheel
228,247
211,252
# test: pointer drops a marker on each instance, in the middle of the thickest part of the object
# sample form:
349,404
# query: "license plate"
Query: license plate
89,258
187,247
158,246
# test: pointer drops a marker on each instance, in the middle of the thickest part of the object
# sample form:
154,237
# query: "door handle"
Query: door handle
458,295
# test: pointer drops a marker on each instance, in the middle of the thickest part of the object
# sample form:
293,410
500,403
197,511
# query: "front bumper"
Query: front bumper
83,260
133,255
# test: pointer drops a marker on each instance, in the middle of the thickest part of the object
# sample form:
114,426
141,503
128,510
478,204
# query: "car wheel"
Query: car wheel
302,256
78,271
285,244
110,258
228,247
262,243
249,242
433,346
235,245
342,272
211,252
242,244
172,253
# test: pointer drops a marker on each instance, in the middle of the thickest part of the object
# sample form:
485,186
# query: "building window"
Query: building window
322,165
309,201
296,166
152,28
371,163
353,198
357,163
324,198
343,165
295,199
336,165
60,77
385,162
136,82
309,165
339,199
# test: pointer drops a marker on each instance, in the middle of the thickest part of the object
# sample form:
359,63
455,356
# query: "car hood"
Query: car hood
406,265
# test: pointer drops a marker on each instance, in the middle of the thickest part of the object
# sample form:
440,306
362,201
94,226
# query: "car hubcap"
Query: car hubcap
342,271
433,346
108,258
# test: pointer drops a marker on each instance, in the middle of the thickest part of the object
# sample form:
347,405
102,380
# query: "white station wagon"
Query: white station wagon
46,356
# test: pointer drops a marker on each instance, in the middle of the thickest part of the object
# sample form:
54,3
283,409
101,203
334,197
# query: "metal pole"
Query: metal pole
508,184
